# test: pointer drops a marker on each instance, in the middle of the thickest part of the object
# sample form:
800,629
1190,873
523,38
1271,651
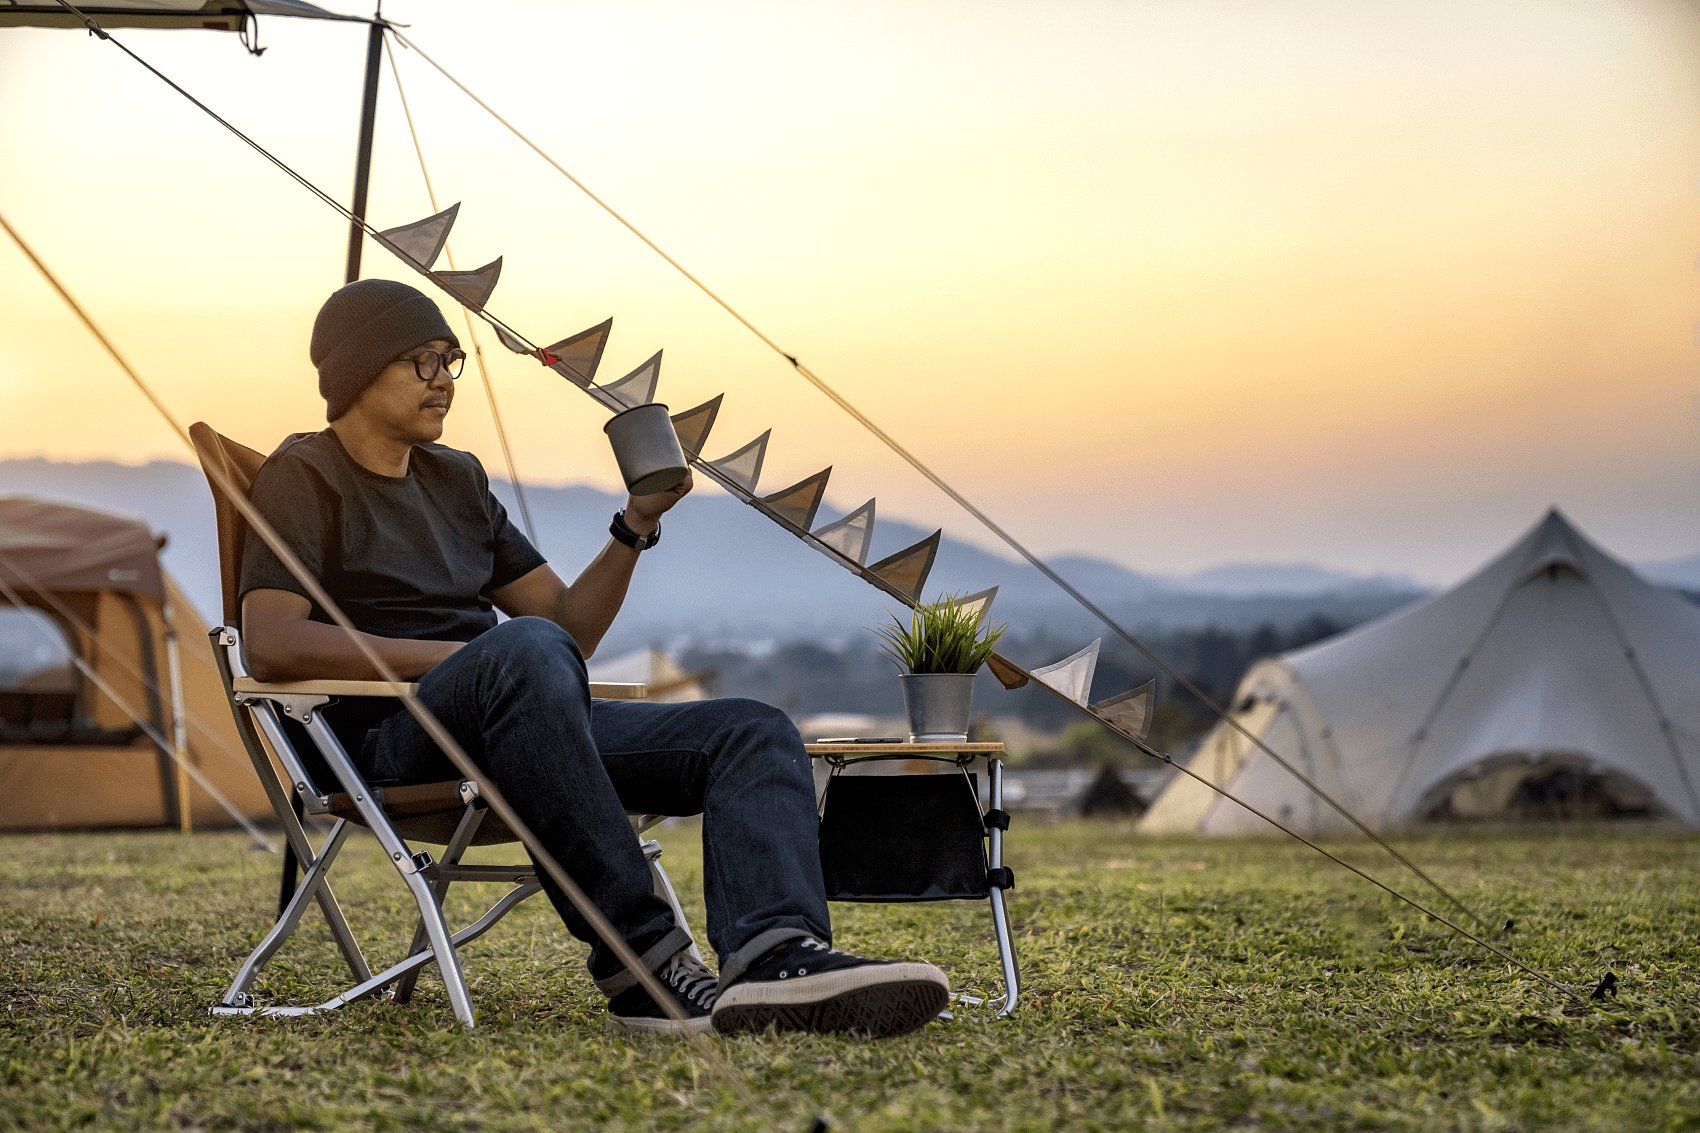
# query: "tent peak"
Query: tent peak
1555,544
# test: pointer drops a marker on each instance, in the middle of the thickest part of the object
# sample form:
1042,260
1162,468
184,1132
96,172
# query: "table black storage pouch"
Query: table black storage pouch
895,838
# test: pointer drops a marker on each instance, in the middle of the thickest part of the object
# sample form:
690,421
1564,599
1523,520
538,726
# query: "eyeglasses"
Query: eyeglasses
429,363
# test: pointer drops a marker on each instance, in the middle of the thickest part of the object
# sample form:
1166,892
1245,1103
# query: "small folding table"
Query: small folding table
908,837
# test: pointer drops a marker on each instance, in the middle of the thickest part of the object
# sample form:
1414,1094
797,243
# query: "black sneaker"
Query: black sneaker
693,987
803,985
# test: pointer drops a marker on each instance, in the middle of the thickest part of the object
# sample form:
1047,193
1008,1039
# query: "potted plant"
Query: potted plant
939,651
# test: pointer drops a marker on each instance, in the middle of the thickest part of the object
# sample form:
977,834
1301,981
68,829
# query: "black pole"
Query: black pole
363,159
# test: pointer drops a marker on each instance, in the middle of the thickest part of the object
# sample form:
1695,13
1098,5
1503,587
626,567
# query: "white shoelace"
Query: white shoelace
691,979
811,942
813,945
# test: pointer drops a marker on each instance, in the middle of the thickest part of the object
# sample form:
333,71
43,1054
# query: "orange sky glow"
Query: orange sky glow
1178,285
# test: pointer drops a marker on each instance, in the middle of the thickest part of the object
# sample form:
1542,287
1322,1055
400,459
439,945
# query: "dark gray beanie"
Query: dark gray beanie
364,327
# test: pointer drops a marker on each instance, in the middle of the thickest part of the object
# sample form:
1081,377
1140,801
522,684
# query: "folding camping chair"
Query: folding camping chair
323,781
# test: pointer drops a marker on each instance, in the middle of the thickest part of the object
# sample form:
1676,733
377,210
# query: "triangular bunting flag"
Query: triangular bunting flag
797,504
1008,673
743,467
422,240
510,341
1131,711
979,604
693,425
472,287
638,387
906,572
576,358
851,535
1072,676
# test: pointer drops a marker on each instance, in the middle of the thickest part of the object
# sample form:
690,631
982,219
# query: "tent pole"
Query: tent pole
363,156
179,724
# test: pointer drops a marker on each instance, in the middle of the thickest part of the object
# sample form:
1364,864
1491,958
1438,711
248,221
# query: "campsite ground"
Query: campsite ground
1171,984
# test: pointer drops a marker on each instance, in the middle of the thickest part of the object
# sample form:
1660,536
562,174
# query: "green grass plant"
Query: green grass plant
942,636
1171,984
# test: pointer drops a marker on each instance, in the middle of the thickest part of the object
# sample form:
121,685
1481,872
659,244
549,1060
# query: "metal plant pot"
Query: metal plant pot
938,706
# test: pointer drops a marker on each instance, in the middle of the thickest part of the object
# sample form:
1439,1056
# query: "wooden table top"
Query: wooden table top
902,748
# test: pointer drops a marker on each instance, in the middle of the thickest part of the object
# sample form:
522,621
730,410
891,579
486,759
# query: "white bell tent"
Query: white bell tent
1553,682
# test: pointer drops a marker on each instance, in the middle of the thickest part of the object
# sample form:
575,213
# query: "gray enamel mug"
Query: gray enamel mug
647,449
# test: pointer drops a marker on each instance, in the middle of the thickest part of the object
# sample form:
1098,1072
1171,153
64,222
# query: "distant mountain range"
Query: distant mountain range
1297,580
726,576
1683,573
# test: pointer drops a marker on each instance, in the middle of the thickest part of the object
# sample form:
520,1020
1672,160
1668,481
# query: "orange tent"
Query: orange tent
88,739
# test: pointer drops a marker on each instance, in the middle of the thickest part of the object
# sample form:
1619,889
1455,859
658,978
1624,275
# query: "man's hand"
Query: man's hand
643,513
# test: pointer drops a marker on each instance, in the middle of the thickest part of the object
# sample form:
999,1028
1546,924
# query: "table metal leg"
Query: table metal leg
1000,915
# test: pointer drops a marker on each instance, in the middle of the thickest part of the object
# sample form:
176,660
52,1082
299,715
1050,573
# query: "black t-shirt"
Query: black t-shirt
414,556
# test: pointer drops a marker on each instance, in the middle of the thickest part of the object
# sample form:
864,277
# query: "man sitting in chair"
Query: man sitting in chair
405,535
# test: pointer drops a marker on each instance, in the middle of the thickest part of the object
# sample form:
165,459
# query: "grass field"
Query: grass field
1170,984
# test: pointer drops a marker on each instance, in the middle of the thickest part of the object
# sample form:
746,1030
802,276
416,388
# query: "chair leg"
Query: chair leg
389,975
311,885
452,853
664,890
443,948
436,930
295,835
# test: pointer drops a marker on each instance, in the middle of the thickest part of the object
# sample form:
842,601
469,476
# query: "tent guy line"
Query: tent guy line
609,400
427,720
938,481
88,671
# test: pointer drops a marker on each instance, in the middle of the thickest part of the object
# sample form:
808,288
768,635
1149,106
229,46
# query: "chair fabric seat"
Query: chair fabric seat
424,812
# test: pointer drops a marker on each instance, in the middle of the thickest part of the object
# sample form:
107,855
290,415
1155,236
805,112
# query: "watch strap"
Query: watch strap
630,538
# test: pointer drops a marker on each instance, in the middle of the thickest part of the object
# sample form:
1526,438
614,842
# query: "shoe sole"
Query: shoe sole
877,1002
702,1025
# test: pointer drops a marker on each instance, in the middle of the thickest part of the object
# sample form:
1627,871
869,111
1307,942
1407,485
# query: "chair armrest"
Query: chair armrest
324,688
602,691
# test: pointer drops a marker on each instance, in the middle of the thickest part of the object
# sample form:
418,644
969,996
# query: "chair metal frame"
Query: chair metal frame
260,711
450,814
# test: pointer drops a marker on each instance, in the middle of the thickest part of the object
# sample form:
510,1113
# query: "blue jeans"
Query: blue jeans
517,699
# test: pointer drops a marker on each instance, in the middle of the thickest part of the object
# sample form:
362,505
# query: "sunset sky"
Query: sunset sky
1177,284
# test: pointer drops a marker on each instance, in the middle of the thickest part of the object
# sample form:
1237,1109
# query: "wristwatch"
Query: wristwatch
630,538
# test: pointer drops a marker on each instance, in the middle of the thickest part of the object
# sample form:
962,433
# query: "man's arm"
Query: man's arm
587,608
282,643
